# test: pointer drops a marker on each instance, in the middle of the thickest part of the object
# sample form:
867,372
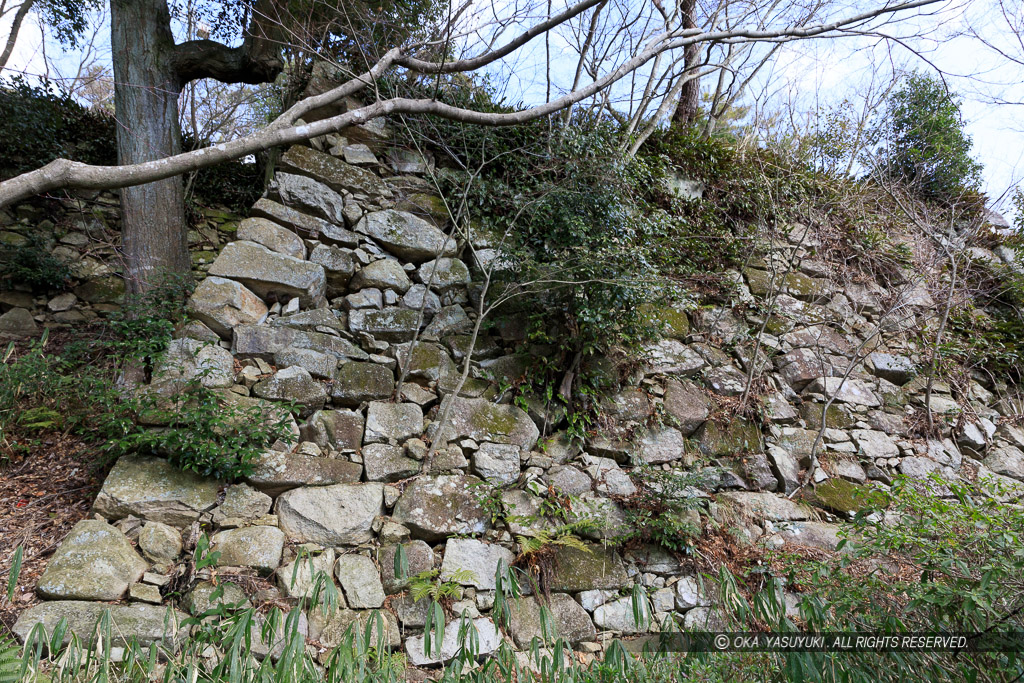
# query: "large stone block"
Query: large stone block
479,558
436,507
334,172
307,226
356,383
153,489
276,472
145,624
406,236
571,621
266,272
95,561
222,304
482,421
390,324
336,515
272,236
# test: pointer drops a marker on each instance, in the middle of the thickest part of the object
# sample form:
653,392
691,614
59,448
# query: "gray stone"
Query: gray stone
357,383
153,489
388,463
313,320
95,561
159,542
18,322
757,472
360,580
336,515
347,621
497,463
143,592
1007,461
305,225
338,266
365,298
487,637
392,421
479,558
917,468
897,369
618,615
272,236
187,360
200,599
872,444
310,196
258,547
483,421
672,357
571,621
786,468
275,472
358,155
853,391
595,567
812,534
705,619
261,341
661,445
608,478
767,506
419,297
62,302
384,273
298,578
687,405
390,324
333,172
292,384
449,320
316,363
419,558
569,480
443,274
145,624
266,272
406,236
244,502
434,507
222,304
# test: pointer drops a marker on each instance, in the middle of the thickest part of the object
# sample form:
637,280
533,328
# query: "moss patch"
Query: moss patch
842,497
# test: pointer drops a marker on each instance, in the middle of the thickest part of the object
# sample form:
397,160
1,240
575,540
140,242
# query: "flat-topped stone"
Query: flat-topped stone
271,235
95,561
336,515
153,489
266,272
305,225
222,304
334,173
406,236
145,624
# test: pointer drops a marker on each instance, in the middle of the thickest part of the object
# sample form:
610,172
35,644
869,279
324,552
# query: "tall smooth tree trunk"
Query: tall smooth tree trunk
689,97
146,88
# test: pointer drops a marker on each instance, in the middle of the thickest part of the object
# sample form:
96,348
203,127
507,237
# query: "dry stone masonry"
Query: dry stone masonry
346,279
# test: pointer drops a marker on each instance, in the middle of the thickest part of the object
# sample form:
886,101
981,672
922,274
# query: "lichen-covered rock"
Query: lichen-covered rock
305,225
766,506
419,558
95,561
186,360
153,489
426,361
360,580
258,547
145,624
160,542
310,196
297,579
342,430
497,463
330,515
386,273
482,421
310,321
243,502
272,236
392,422
316,363
345,620
672,357
737,436
436,507
443,274
897,369
873,444
619,615
1007,461
852,390
262,341
580,570
357,383
479,558
222,304
571,621
201,598
487,636
338,266
661,445
275,472
406,236
384,462
266,272
333,172
292,384
18,322
390,324
687,405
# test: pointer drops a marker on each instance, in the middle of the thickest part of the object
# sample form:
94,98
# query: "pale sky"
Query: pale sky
813,74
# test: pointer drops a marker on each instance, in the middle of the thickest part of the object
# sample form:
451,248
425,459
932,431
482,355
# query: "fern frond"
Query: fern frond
10,661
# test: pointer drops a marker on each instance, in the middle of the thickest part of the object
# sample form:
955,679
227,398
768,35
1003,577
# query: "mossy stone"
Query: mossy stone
837,416
717,440
843,497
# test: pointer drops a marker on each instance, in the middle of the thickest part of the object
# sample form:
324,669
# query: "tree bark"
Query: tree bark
689,97
154,233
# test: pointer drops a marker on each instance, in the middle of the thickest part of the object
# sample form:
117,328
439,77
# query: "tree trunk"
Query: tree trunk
154,233
689,96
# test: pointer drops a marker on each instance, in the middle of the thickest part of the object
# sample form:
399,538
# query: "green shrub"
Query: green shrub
32,264
38,125
923,143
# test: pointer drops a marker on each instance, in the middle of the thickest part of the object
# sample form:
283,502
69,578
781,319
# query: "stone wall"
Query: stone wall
348,271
